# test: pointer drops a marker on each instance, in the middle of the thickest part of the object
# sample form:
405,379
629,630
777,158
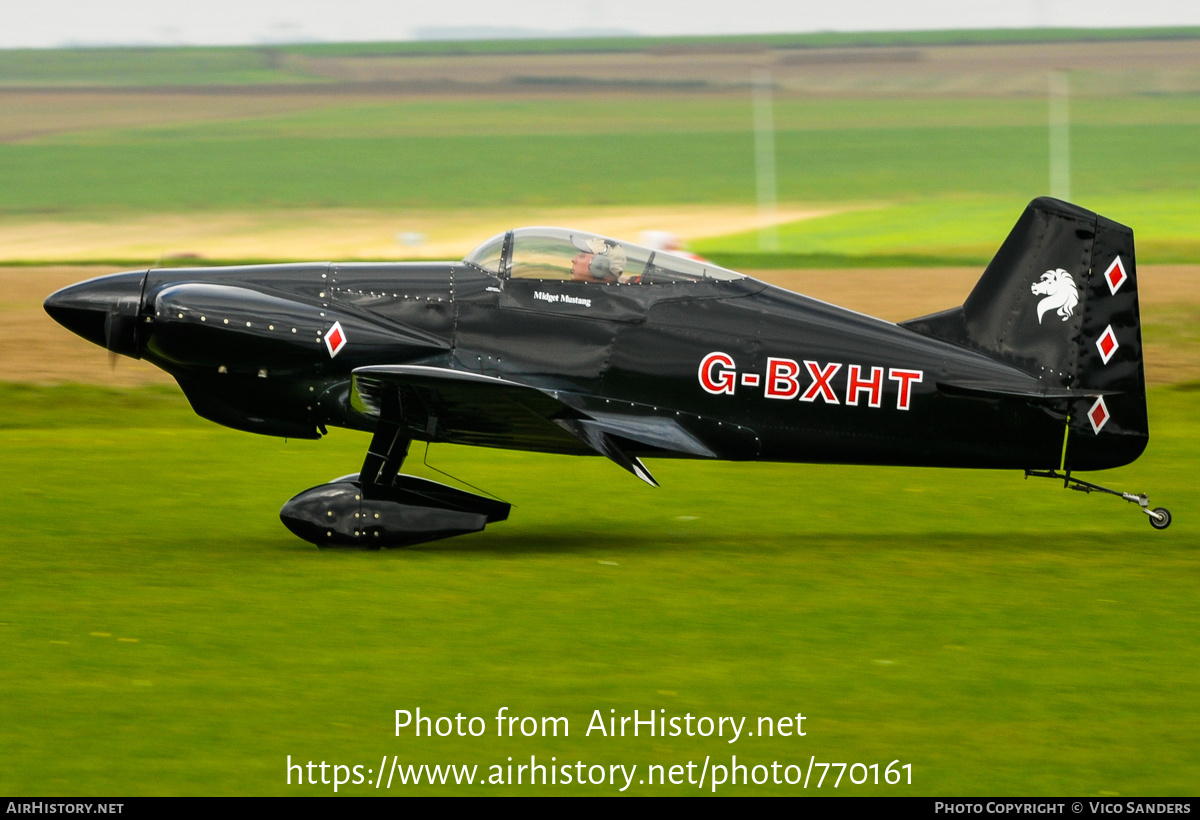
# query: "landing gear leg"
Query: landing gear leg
381,507
1160,517
389,447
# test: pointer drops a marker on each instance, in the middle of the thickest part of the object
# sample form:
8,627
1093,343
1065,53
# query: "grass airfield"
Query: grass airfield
162,633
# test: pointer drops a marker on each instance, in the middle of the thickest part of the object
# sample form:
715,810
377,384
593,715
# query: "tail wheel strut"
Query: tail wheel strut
1160,517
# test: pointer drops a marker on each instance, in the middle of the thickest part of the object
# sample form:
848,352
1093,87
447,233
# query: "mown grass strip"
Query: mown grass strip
163,633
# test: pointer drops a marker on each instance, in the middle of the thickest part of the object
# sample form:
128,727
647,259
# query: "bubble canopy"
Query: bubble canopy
563,254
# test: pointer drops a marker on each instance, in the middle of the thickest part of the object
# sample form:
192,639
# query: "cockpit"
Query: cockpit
565,255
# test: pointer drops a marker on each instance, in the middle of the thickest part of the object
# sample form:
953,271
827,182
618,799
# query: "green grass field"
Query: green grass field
390,156
163,633
928,180
955,229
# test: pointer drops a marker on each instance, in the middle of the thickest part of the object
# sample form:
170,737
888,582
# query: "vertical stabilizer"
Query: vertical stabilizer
1059,301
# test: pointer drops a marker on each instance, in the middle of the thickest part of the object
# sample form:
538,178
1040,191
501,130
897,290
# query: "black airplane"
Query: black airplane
562,341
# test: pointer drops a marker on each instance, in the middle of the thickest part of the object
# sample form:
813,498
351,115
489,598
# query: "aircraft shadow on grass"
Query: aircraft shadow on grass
606,545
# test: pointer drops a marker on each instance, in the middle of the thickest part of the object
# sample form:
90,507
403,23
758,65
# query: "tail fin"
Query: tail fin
1059,301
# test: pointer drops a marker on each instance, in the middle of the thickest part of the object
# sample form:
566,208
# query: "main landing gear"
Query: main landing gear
380,507
1160,517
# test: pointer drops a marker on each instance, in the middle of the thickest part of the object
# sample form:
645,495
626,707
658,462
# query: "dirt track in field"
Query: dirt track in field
35,349
30,115
347,234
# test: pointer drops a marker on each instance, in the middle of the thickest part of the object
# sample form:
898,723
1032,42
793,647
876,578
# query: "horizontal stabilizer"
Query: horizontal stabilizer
965,388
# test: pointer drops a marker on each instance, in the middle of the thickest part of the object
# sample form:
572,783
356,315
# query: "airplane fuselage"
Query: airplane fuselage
754,371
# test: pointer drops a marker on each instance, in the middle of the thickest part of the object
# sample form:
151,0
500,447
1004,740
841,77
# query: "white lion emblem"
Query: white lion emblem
1061,293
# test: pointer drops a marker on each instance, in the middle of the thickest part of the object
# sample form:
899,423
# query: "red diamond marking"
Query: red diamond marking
1098,415
1115,275
335,339
1107,344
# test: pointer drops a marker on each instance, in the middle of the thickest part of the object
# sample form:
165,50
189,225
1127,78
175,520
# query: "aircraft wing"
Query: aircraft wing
441,404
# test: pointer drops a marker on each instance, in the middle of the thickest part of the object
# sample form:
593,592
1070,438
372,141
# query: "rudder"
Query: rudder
1113,428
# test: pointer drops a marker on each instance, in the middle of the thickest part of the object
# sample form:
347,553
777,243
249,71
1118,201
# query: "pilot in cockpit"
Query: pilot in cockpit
597,261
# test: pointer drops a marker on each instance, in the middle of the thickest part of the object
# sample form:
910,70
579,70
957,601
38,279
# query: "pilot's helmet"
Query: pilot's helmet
608,258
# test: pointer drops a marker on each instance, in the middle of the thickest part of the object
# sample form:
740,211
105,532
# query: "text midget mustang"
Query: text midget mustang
562,341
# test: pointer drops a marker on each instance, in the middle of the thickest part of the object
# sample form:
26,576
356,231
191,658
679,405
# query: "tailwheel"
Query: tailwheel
1160,517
